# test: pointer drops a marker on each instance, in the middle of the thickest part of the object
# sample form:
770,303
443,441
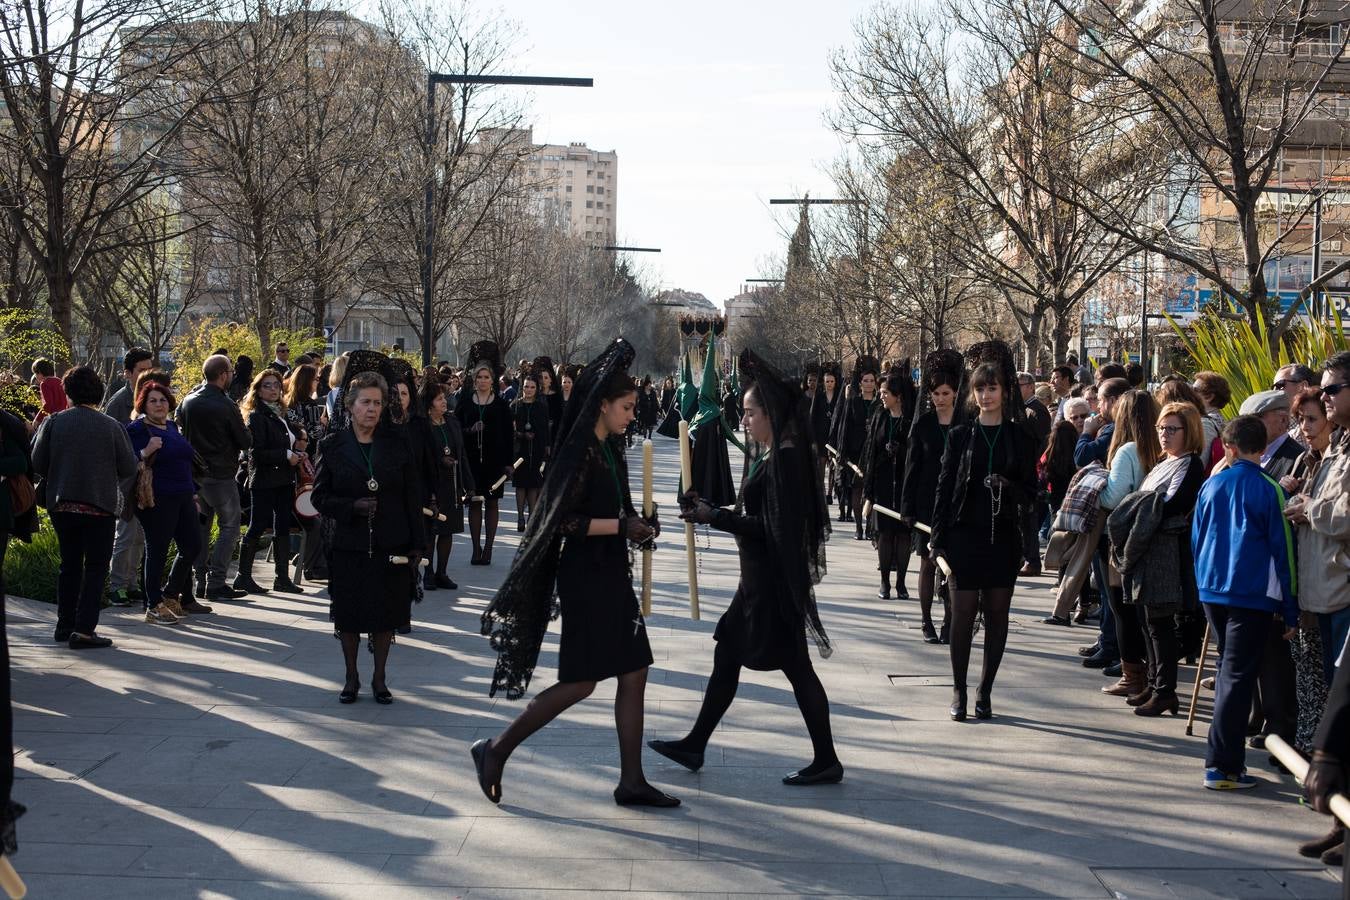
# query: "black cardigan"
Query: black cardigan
268,460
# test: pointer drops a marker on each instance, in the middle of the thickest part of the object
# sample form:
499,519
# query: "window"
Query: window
600,190
569,189
590,189
590,204
590,220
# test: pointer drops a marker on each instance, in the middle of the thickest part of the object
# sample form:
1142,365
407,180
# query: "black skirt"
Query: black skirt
367,595
603,632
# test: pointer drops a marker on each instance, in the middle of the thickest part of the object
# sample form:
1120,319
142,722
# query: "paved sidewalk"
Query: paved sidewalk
213,760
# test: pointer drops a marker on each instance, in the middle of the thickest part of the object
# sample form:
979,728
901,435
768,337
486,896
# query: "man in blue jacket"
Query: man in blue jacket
1244,568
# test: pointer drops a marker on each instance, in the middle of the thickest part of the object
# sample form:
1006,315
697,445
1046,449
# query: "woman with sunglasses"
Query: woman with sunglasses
1151,540
272,462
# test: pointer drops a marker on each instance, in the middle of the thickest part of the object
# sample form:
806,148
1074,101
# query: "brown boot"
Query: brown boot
1131,680
1142,697
1314,849
1158,704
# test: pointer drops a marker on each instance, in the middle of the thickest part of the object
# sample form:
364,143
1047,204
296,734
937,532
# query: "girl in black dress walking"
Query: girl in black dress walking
988,475
450,480
577,543
943,374
850,434
780,523
883,479
530,418
486,420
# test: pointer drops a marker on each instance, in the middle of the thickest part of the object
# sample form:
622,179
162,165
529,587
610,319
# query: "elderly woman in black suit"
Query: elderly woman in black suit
368,485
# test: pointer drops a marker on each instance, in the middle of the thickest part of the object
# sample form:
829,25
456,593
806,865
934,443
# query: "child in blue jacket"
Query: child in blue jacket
1244,569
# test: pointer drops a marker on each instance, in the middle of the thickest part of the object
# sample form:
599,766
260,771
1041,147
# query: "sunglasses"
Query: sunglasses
1331,390
1279,385
1077,417
1169,430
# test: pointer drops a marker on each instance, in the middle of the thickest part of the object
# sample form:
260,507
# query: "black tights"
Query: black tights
806,687
856,503
478,516
526,500
444,543
351,647
927,588
553,702
893,556
1130,629
965,604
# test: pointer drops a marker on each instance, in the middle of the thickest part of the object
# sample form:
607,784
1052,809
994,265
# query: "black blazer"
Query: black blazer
1286,455
268,460
342,479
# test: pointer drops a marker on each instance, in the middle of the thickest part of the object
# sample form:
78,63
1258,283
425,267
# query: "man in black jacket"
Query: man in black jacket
213,426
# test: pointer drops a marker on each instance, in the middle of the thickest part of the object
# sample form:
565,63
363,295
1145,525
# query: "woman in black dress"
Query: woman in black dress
850,434
530,419
823,402
883,480
577,542
367,486
549,392
450,479
272,461
486,420
780,523
649,407
988,475
944,373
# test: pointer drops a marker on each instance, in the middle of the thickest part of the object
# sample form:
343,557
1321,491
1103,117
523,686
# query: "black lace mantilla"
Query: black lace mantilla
517,618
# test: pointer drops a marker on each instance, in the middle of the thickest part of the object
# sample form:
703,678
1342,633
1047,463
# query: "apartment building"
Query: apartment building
573,184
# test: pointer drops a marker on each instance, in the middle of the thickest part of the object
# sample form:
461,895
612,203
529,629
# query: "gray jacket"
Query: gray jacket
83,456
119,405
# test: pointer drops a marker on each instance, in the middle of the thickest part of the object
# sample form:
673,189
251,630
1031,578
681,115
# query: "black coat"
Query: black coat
1040,422
955,476
268,460
213,426
341,481
1282,463
923,465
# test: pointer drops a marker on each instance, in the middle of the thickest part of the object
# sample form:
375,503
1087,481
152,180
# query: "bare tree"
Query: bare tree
1232,92
986,100
145,290
86,125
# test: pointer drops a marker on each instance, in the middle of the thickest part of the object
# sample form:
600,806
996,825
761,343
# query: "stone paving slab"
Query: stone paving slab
212,760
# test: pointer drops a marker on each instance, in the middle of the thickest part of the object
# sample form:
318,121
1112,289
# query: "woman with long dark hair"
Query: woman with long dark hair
577,544
486,420
242,381
850,434
272,460
649,406
549,391
883,479
781,523
450,480
988,476
530,419
943,375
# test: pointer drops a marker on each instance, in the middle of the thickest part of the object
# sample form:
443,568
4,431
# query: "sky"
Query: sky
713,108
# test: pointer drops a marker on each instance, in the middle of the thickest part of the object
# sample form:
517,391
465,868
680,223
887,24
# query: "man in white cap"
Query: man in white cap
1272,408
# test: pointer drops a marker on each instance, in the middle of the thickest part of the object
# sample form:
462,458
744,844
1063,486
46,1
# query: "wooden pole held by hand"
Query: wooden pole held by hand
647,508
686,481
496,485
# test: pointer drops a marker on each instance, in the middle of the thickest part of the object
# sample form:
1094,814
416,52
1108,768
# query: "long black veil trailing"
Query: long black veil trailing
795,515
518,616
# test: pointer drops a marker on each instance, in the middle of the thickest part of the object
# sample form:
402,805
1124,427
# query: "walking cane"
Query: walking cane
686,480
1195,691
647,513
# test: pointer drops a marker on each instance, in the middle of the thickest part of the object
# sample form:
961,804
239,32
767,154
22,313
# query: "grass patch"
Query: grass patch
30,569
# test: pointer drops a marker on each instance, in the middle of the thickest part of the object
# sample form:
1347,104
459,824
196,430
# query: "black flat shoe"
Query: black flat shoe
830,775
429,582
349,693
79,641
1089,651
382,697
479,753
983,708
687,758
901,592
958,709
477,558
487,557
649,797
1062,621
884,594
444,581
930,635
945,635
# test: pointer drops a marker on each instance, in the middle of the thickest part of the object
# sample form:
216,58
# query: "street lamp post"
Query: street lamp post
429,188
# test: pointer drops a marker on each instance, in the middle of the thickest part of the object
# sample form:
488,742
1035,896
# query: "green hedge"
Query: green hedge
31,569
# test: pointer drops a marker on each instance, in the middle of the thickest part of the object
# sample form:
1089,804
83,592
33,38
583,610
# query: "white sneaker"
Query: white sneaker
160,615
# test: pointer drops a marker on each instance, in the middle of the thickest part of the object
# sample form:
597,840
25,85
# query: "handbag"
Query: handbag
22,495
144,490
